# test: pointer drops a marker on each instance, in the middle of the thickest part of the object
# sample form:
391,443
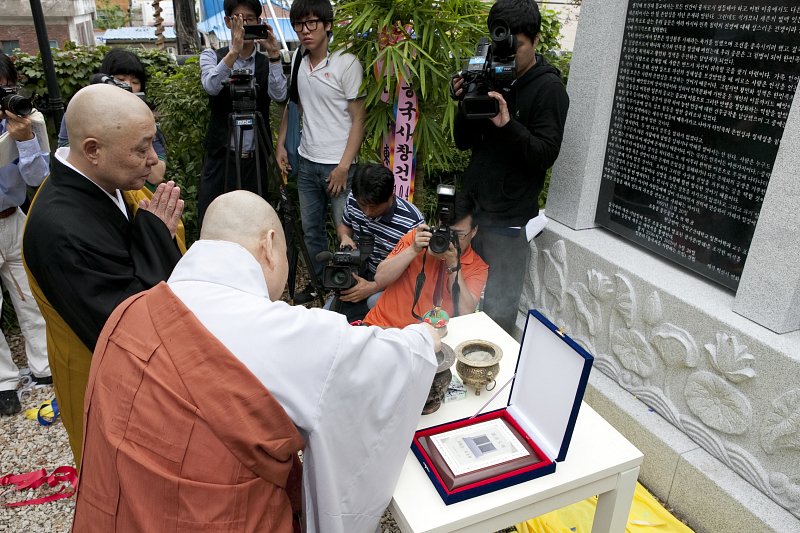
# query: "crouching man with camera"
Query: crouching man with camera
373,222
424,256
511,115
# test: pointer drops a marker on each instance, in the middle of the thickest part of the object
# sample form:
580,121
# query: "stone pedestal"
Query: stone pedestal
722,368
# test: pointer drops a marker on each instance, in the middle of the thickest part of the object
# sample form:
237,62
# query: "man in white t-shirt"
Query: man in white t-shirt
333,126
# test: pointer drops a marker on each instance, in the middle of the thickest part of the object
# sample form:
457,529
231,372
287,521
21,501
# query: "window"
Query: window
9,46
53,44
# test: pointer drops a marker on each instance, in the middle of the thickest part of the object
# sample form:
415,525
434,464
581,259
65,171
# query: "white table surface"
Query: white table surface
600,462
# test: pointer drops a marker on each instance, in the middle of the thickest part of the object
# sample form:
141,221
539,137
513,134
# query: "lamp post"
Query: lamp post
54,106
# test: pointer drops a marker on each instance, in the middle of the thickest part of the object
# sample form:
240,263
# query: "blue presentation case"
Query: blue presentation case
546,394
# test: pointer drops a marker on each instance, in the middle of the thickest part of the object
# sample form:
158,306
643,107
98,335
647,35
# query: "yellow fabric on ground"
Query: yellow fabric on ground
647,516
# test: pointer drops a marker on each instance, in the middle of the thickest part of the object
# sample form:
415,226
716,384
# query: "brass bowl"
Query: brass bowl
478,363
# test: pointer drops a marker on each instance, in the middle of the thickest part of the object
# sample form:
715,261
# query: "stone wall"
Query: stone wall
722,368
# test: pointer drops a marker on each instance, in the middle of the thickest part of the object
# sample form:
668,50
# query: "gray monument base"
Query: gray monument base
710,397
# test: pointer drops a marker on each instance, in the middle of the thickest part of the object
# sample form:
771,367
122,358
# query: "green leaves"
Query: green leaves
425,40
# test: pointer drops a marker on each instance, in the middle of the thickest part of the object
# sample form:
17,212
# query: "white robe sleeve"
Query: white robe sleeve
368,412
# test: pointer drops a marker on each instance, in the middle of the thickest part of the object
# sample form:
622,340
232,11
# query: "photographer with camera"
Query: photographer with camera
512,118
420,257
243,18
372,210
30,168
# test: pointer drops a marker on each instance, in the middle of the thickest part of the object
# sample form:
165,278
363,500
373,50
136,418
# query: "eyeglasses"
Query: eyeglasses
247,20
310,25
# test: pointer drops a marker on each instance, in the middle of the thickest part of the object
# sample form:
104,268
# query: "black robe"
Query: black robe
86,256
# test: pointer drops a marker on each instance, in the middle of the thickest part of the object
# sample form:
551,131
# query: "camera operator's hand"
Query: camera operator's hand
19,128
503,117
456,86
237,38
362,290
166,205
337,181
270,44
347,243
422,237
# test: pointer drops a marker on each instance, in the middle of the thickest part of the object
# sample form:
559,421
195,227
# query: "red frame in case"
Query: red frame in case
545,466
556,371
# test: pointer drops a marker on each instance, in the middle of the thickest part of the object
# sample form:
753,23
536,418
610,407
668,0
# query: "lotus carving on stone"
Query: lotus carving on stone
633,352
730,358
717,403
781,429
600,285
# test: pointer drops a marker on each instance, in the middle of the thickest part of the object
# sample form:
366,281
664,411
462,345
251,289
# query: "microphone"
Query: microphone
323,257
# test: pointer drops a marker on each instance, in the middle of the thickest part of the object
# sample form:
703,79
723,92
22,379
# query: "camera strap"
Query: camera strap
456,290
418,286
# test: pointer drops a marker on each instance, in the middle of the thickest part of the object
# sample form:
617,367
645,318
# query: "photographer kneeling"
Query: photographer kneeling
372,211
400,305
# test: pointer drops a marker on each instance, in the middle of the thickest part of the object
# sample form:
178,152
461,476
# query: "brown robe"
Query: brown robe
179,434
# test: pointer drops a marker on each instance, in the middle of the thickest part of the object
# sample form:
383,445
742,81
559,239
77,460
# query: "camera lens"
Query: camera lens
339,278
17,104
440,241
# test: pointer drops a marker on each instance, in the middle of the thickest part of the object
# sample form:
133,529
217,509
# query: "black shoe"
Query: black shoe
44,380
9,403
308,294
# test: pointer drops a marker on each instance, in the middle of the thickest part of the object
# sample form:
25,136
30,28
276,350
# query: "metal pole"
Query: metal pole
55,106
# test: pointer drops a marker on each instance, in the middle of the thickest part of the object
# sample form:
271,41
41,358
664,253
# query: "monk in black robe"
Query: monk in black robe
84,249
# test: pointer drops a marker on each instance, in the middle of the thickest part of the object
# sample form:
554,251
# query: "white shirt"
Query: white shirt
355,393
325,92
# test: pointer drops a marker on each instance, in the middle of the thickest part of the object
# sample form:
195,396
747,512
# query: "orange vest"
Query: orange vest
179,435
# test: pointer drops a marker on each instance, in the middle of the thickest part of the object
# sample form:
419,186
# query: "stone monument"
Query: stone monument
673,252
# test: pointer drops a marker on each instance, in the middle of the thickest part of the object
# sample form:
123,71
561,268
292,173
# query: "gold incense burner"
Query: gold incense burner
478,363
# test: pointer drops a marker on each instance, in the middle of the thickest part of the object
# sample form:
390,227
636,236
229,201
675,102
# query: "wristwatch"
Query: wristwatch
454,269
274,59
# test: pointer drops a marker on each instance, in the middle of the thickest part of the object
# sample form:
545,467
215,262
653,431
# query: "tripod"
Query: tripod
239,121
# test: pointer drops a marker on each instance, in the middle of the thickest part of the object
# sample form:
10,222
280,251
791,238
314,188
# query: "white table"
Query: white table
600,462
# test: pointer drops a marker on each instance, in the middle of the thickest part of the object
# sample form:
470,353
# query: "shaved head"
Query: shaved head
111,134
248,220
103,111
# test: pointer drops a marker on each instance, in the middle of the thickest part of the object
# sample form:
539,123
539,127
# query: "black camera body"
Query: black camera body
442,235
492,68
338,273
16,104
242,87
256,31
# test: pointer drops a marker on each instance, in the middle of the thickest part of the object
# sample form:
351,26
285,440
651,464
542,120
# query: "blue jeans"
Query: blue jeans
313,192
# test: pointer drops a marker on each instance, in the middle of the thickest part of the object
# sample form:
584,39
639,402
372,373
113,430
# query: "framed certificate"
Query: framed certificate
478,451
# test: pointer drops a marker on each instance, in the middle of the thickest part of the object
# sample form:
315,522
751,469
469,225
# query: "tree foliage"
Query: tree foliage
424,40
182,106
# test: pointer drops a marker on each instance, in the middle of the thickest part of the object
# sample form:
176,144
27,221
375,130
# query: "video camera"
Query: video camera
11,101
492,68
442,235
338,273
242,87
